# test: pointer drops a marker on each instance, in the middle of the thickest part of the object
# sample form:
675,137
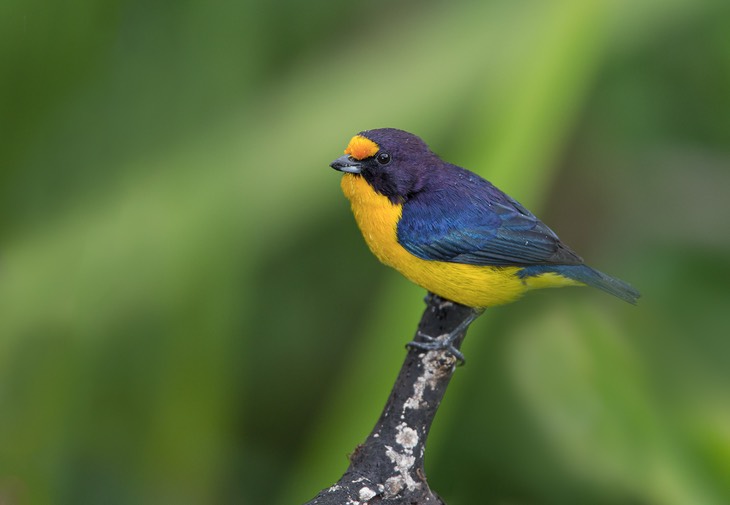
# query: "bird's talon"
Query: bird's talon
427,338
434,344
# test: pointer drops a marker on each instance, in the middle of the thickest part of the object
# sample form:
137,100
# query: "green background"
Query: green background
189,315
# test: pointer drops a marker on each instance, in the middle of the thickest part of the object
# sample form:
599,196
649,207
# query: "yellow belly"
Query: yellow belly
472,285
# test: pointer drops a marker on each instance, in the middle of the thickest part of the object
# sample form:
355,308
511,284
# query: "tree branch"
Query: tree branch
388,468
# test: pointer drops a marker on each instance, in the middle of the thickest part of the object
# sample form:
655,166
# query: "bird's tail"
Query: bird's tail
592,277
586,275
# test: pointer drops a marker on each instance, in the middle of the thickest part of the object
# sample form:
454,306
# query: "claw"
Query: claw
435,344
446,342
425,337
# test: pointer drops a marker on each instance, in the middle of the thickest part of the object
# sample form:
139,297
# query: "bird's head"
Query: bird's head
394,162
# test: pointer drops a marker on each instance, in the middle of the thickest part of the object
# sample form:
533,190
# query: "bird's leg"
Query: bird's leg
428,299
446,341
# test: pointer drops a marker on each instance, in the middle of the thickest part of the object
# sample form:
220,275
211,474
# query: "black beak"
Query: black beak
347,164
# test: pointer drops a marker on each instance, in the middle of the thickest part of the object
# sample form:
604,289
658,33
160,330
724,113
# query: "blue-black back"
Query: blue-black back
460,217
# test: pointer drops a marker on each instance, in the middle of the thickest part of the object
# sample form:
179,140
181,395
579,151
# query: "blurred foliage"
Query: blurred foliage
188,314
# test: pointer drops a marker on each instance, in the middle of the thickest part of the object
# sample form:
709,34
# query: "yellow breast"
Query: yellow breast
475,286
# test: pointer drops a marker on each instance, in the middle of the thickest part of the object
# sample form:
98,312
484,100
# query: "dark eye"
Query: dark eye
383,158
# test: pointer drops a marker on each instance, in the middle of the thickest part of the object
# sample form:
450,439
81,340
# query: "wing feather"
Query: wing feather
471,221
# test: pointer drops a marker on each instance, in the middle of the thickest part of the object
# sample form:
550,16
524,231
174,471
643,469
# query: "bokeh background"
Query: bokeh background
189,315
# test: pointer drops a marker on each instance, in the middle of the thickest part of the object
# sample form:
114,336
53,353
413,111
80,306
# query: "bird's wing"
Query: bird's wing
478,224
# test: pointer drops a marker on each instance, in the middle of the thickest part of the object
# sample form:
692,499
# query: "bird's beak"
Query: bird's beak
347,164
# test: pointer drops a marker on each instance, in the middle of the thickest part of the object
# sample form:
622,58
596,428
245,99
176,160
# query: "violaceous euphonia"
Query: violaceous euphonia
452,232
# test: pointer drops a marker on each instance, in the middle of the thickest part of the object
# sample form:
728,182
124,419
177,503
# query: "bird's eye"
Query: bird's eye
383,158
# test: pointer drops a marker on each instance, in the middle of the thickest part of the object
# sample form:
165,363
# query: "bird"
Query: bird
453,232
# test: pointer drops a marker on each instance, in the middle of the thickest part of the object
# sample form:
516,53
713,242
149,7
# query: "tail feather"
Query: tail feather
590,277
593,277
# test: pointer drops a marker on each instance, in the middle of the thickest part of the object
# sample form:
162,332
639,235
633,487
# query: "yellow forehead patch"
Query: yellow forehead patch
361,148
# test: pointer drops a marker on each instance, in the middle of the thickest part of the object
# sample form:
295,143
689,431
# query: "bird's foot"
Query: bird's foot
446,342
441,343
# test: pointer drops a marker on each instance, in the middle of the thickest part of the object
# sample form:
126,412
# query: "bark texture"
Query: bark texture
388,467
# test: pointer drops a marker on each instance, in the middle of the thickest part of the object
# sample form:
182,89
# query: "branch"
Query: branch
388,468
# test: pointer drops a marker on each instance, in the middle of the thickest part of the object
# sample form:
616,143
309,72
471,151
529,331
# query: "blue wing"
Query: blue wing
468,220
